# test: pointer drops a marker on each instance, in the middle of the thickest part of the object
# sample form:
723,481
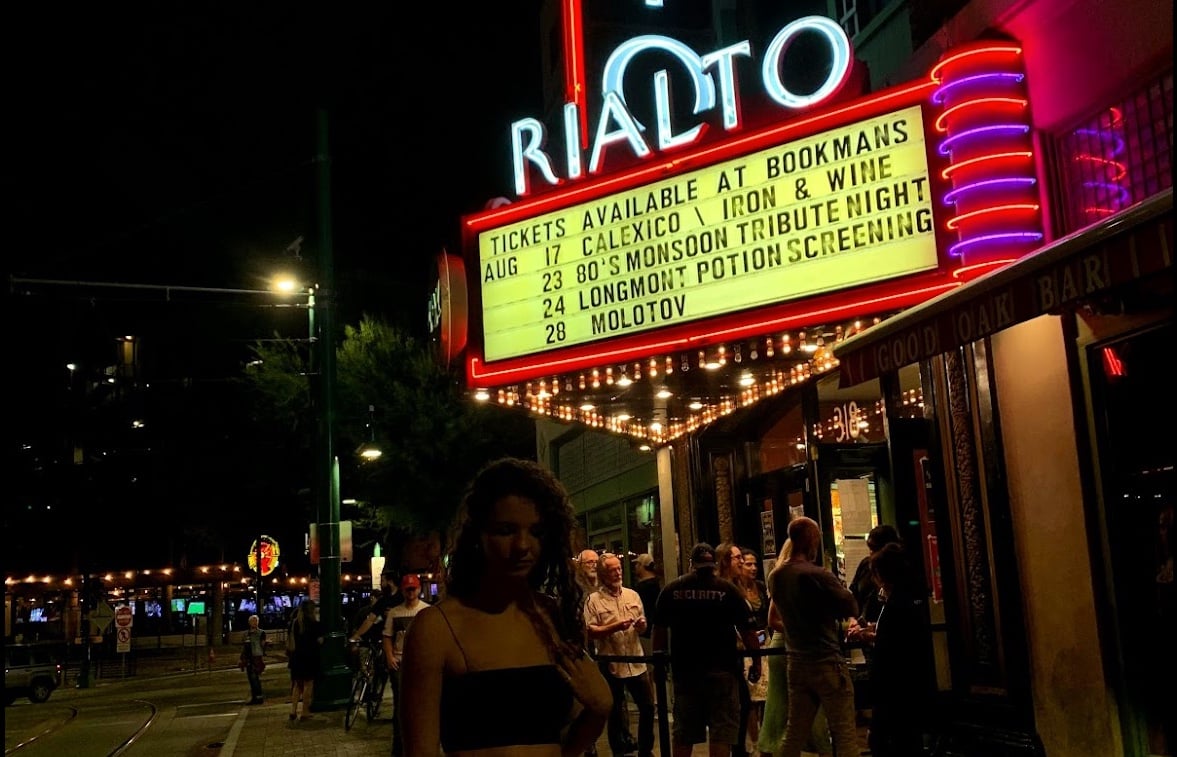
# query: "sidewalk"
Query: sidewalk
266,730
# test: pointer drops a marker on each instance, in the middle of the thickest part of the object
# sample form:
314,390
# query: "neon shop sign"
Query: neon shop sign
714,78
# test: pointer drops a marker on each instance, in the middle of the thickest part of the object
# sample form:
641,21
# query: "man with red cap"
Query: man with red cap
396,624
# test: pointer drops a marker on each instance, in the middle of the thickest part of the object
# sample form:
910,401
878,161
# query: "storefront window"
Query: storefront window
853,415
644,533
910,402
604,529
627,528
783,446
1118,156
854,506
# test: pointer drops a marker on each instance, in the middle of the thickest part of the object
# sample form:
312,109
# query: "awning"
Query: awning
1131,245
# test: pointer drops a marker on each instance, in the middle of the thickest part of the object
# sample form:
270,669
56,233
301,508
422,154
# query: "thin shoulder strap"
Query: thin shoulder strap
450,626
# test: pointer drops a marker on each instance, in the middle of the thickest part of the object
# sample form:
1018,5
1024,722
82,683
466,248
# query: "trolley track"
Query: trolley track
106,730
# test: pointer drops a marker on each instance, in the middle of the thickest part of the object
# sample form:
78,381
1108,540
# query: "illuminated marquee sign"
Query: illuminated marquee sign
713,77
841,208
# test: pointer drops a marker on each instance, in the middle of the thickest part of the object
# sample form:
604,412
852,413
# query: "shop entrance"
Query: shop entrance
777,496
853,481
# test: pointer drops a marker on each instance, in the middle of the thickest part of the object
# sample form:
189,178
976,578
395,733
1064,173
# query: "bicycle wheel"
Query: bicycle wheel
376,696
359,687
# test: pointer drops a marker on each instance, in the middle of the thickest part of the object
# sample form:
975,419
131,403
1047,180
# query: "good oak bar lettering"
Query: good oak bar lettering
834,210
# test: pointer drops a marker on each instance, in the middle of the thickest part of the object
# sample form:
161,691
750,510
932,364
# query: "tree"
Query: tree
433,438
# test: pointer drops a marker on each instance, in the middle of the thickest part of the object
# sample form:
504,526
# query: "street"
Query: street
188,714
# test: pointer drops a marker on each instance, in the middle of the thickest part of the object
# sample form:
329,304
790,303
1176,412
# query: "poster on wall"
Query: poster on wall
855,501
768,533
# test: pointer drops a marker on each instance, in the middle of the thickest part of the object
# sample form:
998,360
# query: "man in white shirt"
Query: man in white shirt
396,625
615,618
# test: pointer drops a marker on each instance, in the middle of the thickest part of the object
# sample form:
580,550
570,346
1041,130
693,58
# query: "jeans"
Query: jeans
826,685
255,681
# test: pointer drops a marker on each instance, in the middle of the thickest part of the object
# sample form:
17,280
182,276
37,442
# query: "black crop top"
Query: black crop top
481,709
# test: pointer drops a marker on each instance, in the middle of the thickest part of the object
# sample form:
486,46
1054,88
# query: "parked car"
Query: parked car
30,670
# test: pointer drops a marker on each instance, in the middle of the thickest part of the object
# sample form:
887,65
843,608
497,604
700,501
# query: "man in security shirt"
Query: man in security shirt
704,615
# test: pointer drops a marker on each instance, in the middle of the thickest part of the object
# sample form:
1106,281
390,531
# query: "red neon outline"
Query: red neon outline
574,85
940,127
954,223
1122,169
1112,364
969,272
911,94
947,172
520,369
997,50
981,131
893,293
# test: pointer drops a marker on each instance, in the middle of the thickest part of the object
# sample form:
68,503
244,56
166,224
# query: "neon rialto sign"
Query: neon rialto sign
713,77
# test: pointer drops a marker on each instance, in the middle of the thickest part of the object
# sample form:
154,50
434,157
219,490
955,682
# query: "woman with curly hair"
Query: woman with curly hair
499,666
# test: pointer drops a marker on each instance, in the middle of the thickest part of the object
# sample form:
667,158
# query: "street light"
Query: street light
333,689
369,451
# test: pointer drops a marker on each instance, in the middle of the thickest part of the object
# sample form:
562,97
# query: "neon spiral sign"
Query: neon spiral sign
988,141
1105,185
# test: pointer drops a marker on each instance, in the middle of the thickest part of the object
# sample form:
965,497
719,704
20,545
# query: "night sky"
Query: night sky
173,143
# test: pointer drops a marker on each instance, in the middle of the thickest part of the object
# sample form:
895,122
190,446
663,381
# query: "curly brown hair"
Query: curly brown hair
552,575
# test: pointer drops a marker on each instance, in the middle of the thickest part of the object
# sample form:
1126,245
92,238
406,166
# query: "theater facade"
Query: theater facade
931,289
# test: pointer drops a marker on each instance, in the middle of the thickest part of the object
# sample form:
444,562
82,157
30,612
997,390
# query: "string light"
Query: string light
803,355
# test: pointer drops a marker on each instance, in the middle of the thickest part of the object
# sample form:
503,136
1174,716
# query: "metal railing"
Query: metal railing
660,662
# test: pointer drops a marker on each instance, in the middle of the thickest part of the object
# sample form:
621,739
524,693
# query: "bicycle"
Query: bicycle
368,682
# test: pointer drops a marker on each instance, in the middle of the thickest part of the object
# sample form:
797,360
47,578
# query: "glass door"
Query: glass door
1134,418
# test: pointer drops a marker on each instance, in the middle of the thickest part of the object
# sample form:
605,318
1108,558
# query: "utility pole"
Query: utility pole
333,689
84,672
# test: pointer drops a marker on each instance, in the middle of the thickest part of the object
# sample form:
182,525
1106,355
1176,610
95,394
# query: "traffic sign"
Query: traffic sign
124,640
100,617
124,616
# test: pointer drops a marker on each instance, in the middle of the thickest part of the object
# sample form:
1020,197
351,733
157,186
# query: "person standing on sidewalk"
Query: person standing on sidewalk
703,615
499,666
374,615
614,617
253,659
813,603
648,587
304,661
396,626
900,668
585,570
